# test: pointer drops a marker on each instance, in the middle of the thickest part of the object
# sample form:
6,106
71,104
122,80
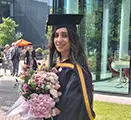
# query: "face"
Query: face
7,47
61,41
30,47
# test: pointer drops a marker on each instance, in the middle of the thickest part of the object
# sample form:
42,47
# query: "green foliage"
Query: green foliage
111,111
92,63
29,75
7,31
39,50
45,52
49,32
93,29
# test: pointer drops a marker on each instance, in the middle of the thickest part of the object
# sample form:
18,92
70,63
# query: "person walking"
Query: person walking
6,58
16,59
11,54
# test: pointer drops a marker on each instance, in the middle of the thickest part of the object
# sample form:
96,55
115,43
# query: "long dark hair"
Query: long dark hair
76,55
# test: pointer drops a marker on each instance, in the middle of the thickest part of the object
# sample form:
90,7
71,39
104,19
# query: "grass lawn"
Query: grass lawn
111,111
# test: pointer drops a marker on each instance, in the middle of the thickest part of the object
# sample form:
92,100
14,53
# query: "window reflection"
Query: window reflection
114,43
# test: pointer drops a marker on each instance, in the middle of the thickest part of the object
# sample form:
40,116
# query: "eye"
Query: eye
64,34
56,35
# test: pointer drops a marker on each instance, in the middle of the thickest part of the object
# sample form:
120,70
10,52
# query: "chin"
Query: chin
60,51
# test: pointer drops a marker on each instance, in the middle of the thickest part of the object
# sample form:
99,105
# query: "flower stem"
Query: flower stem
52,118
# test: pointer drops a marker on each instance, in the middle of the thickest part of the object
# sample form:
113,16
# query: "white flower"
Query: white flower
54,93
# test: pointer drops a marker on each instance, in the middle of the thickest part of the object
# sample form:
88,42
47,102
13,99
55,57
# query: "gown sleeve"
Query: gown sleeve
73,102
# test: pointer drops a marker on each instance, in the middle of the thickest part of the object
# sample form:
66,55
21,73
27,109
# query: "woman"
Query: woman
74,76
30,58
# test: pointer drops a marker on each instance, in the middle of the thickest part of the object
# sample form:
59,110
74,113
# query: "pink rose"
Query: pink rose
25,87
41,106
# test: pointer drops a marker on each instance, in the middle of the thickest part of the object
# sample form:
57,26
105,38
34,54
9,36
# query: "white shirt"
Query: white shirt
114,66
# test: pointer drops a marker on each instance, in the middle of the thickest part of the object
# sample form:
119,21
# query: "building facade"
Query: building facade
30,15
105,32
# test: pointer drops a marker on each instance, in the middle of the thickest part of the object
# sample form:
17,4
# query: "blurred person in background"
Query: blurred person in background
30,58
1,59
11,53
16,59
6,58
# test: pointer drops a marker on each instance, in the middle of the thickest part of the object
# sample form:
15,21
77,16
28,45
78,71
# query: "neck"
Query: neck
64,56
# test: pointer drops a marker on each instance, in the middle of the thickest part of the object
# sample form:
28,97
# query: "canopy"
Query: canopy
23,42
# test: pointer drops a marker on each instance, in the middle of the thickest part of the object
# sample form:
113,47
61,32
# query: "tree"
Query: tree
49,32
7,31
90,41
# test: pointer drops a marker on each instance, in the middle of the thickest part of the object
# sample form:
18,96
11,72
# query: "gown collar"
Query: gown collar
64,63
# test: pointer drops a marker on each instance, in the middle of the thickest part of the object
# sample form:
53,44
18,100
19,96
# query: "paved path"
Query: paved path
113,99
8,95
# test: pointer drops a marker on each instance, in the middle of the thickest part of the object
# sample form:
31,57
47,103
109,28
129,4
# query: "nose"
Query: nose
59,38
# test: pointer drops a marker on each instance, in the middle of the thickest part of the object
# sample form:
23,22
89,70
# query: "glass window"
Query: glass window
66,6
106,44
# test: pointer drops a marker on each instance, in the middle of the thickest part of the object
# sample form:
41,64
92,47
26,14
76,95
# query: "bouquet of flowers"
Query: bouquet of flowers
41,94
26,73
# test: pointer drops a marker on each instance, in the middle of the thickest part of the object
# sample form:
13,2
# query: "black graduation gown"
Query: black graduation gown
76,87
26,58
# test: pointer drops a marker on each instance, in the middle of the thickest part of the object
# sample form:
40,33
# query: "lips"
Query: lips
60,45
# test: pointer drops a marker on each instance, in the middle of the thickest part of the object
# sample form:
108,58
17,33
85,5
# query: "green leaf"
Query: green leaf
7,31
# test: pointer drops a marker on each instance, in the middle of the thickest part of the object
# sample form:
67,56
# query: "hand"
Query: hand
55,112
54,70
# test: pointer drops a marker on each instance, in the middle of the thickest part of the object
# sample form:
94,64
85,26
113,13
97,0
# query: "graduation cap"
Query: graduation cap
64,20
